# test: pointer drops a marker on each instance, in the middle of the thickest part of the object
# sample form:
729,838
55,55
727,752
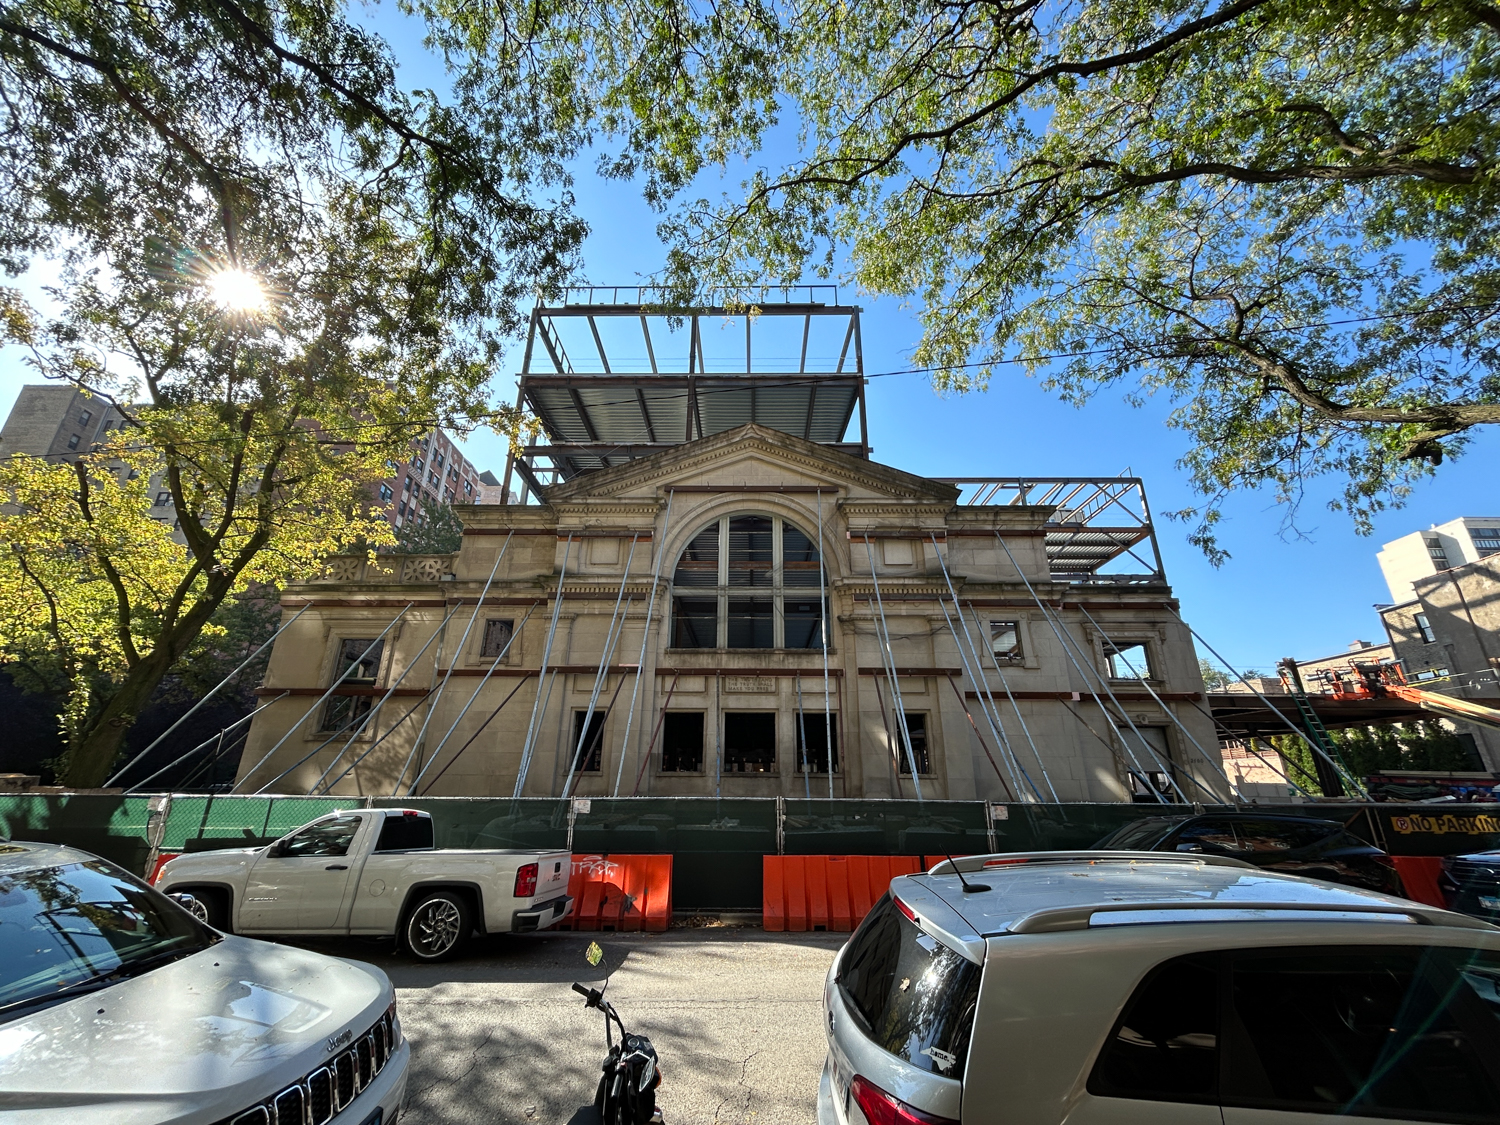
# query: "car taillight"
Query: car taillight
526,881
881,1108
1384,860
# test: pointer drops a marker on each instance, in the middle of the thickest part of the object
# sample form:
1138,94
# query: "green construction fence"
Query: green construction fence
717,845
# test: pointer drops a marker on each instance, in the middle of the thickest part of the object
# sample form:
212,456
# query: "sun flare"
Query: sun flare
236,290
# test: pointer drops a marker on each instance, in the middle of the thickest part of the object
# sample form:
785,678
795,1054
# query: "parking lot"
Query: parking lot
498,1035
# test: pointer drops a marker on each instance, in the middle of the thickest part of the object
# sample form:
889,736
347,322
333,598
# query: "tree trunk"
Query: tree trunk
91,759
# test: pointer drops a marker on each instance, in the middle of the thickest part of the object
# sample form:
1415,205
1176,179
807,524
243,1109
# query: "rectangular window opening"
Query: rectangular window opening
1428,636
682,742
916,730
1005,641
1127,660
695,623
588,755
804,622
814,730
749,741
752,623
497,634
358,666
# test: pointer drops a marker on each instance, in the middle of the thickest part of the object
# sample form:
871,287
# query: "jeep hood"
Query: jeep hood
192,1042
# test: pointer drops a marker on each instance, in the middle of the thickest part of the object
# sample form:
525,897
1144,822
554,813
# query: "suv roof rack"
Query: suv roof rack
1058,918
968,864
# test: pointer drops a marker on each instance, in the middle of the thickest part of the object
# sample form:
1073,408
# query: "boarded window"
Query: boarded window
682,742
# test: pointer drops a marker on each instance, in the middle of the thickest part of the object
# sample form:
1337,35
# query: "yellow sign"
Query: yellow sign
1480,825
594,954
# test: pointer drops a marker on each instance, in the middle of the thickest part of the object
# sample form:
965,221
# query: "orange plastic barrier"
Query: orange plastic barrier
1419,875
826,892
620,892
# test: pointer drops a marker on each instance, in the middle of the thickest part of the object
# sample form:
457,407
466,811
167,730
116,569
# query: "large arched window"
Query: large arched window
747,582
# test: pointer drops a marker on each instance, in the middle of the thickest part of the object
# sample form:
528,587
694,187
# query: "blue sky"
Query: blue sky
1275,597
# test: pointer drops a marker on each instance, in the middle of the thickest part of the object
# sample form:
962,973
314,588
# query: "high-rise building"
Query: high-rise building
434,471
59,422
1441,547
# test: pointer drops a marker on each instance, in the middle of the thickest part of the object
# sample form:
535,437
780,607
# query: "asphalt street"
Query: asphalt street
498,1035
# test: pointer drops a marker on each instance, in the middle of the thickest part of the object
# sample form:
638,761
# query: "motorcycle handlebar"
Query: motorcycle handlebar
580,989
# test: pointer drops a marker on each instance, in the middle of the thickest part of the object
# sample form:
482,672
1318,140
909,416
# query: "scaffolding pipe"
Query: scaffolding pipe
416,748
211,693
650,746
981,688
1060,632
613,699
640,668
998,731
219,738
893,757
608,650
526,747
802,739
1312,743
823,631
896,700
438,749
476,734
1219,766
391,691
983,745
1005,685
342,676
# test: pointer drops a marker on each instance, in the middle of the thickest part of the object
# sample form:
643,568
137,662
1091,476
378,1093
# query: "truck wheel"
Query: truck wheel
437,926
205,904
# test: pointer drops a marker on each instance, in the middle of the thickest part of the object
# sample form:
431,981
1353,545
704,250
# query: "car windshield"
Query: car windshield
62,928
1138,835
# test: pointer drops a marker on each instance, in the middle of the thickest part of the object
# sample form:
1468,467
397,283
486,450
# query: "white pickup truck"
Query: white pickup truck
372,872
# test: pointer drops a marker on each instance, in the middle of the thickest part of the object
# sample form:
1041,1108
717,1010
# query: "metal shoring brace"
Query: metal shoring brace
802,739
1009,794
483,680
1058,632
981,688
526,747
1006,753
982,692
1104,683
219,738
890,655
478,731
322,698
651,745
211,693
613,699
1316,749
640,668
611,639
892,763
436,633
823,631
1005,684
1234,789
609,646
435,697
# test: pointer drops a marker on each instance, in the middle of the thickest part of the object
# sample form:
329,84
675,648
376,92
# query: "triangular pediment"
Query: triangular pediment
751,456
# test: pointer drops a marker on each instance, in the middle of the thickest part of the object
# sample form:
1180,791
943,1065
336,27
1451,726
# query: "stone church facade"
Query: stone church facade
661,627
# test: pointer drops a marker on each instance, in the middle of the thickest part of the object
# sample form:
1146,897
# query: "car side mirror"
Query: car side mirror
1190,847
276,850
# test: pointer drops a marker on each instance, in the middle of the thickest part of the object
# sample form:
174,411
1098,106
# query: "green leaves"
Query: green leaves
1282,216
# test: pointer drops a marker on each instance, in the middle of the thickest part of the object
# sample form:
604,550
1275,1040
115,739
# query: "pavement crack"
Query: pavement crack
473,1062
749,1092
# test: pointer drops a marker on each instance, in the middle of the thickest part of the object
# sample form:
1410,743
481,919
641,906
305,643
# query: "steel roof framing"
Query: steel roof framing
638,404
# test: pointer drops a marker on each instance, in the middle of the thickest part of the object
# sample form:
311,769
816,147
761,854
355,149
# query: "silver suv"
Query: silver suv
1105,987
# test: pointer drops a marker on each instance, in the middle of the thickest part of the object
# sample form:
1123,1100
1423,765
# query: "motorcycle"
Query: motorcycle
627,1088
